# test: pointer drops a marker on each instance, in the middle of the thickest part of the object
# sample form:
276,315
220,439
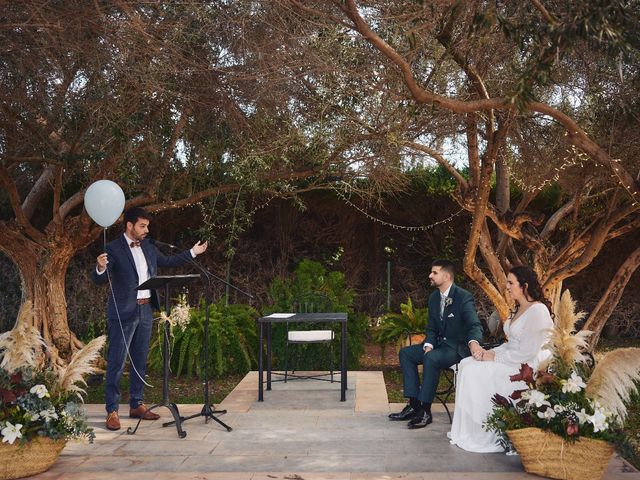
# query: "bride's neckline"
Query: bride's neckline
521,313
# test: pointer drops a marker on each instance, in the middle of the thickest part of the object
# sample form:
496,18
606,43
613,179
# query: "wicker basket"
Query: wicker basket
545,453
34,457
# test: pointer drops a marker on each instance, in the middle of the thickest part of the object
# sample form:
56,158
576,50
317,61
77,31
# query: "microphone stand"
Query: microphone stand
208,410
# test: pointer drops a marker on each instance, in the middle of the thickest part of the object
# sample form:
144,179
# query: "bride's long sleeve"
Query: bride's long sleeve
526,346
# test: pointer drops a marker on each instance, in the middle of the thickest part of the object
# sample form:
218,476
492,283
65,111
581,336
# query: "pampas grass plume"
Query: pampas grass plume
82,363
563,343
613,379
23,346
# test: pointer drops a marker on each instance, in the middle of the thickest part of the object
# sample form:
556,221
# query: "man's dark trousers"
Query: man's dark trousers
137,334
432,362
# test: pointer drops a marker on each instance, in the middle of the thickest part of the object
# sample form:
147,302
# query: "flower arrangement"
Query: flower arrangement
566,396
38,398
179,315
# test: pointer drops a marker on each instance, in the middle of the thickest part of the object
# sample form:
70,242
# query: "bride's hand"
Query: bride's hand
489,356
478,354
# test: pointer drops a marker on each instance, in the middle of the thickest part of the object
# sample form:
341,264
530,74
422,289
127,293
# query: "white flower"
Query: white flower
536,397
583,417
34,416
11,432
571,406
49,414
39,390
574,384
548,414
599,420
558,408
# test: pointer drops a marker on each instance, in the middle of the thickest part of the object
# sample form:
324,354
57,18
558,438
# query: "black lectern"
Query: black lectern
166,281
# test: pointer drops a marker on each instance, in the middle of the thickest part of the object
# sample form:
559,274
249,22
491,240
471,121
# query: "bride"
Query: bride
487,372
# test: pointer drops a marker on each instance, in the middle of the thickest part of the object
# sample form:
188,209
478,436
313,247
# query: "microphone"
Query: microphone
193,262
162,244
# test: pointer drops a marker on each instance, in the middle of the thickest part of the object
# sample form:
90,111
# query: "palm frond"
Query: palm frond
82,363
23,346
613,379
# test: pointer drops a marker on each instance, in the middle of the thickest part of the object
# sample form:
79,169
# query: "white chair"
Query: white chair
314,303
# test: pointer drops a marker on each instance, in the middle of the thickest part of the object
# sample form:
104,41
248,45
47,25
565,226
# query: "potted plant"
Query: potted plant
568,419
404,328
40,403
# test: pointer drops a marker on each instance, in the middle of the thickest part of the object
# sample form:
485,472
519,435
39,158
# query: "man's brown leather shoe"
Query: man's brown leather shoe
113,421
141,411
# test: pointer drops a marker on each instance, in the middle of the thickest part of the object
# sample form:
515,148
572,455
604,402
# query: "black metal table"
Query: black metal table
265,323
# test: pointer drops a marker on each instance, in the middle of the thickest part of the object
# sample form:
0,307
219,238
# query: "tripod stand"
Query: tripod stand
166,282
207,411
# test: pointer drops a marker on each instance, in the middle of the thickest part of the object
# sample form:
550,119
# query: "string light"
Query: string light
629,188
574,158
393,225
229,224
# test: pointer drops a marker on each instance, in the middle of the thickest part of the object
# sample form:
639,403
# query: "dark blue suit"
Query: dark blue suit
449,335
135,321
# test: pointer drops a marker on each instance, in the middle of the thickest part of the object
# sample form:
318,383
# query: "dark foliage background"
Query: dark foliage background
321,226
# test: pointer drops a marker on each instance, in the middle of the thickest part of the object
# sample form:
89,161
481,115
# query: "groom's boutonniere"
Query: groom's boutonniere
448,301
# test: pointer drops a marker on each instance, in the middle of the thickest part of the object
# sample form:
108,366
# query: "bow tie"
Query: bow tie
135,243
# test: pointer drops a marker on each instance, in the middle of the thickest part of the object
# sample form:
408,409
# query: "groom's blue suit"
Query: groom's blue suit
449,335
128,320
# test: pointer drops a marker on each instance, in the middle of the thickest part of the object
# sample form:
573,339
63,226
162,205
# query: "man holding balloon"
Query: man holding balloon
129,261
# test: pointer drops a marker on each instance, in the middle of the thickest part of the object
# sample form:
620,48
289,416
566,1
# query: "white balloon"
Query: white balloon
104,201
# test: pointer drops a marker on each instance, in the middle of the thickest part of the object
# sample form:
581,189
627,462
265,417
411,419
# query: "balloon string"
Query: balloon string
115,304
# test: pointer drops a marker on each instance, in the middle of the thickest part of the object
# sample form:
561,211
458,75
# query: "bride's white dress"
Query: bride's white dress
479,381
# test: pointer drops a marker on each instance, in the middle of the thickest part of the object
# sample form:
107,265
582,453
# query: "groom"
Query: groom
453,332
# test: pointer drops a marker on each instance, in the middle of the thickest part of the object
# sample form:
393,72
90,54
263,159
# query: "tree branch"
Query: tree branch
629,227
472,148
199,196
57,189
557,216
576,135
41,187
593,245
14,199
442,161
611,297
545,13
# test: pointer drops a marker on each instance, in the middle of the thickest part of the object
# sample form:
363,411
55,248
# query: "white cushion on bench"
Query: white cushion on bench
310,335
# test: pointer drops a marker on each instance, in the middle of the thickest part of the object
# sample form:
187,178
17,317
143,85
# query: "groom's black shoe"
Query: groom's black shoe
407,413
420,421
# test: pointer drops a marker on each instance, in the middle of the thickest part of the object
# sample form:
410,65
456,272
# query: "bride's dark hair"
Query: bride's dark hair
528,280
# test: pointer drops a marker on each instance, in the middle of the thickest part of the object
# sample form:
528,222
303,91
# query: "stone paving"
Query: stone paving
300,432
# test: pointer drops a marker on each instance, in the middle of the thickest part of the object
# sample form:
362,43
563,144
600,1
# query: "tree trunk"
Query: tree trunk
611,297
553,293
503,194
42,275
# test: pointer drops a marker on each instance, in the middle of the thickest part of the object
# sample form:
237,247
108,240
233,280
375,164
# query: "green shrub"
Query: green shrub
233,342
